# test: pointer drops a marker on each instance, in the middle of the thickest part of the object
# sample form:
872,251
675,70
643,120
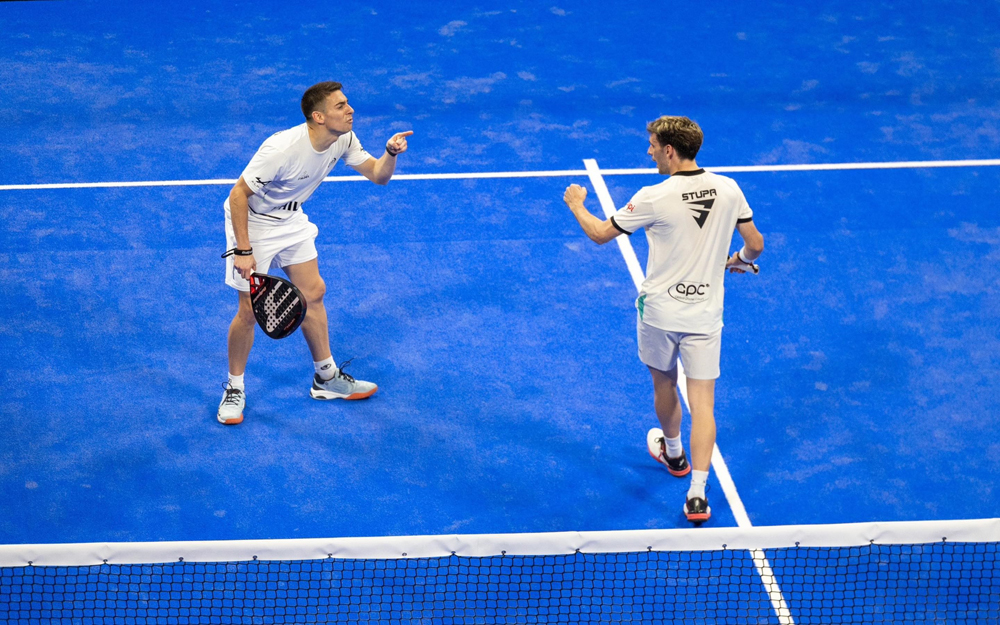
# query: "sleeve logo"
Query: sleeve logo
630,207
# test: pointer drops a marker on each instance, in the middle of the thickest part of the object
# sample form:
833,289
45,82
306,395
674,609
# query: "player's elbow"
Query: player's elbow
603,233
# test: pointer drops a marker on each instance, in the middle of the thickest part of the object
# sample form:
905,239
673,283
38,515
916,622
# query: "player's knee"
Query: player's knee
245,319
244,314
315,292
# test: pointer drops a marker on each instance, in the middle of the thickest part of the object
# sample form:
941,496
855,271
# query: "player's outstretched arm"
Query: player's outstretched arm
600,232
753,247
380,171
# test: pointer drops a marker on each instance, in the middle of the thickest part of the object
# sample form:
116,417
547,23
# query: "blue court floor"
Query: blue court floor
860,368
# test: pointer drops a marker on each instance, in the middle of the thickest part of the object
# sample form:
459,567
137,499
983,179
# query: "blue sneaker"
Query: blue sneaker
341,386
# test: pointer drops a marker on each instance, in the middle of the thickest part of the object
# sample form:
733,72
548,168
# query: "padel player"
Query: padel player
266,226
689,220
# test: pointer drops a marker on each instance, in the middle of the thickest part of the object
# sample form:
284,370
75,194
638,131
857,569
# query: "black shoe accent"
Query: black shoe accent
697,505
696,510
678,465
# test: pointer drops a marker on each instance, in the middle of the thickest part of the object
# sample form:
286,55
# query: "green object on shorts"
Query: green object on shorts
641,304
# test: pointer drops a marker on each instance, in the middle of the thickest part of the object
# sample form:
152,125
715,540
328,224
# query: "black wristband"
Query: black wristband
238,252
390,151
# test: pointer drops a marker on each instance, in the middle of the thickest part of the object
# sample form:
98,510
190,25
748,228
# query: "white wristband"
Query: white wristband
743,258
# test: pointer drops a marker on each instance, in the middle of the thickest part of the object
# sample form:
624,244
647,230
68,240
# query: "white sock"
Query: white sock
236,381
698,481
325,369
674,447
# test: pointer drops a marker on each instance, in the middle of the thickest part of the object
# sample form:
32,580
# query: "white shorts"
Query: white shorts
281,245
659,349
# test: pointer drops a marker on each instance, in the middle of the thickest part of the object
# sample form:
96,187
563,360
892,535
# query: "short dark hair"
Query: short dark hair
314,96
680,132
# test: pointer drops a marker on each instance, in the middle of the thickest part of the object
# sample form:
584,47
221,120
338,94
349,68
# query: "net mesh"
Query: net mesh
924,583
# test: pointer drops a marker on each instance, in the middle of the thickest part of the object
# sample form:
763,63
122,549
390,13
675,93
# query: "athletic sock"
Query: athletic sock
698,481
236,381
674,447
325,369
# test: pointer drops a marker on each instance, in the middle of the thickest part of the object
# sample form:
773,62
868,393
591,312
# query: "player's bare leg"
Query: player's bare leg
315,326
666,401
701,401
334,383
241,332
664,444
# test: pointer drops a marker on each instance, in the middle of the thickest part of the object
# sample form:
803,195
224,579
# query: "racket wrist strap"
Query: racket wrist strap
741,255
238,252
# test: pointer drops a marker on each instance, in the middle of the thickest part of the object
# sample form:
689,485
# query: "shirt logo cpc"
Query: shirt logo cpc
689,292
706,205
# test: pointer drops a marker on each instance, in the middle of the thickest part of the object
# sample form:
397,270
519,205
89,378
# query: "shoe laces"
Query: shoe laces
340,371
232,395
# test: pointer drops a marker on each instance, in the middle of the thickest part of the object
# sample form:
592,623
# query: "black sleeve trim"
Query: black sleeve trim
620,229
745,220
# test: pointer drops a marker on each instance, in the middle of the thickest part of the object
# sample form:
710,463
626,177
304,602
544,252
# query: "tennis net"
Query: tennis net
912,572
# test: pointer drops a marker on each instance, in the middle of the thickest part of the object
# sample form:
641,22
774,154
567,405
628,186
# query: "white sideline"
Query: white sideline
718,463
485,545
525,174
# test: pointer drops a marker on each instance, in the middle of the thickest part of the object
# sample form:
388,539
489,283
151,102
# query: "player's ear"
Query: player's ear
317,116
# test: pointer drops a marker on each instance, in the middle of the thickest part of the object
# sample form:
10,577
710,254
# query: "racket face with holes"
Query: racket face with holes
277,305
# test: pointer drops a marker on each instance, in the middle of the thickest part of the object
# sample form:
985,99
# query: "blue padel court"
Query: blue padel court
860,369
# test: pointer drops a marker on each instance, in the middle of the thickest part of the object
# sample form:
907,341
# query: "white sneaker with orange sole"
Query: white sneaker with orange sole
231,408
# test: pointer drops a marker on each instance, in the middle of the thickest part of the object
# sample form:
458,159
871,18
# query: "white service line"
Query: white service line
559,173
554,173
988,162
718,463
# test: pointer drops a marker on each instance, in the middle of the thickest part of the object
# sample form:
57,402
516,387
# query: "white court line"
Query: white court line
555,173
718,463
227,182
989,162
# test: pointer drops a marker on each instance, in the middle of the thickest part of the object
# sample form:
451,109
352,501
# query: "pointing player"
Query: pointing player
265,226
689,220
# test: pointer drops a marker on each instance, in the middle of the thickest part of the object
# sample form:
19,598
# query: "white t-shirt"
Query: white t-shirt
286,170
689,220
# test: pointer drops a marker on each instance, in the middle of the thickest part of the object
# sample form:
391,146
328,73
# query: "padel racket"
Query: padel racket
278,305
